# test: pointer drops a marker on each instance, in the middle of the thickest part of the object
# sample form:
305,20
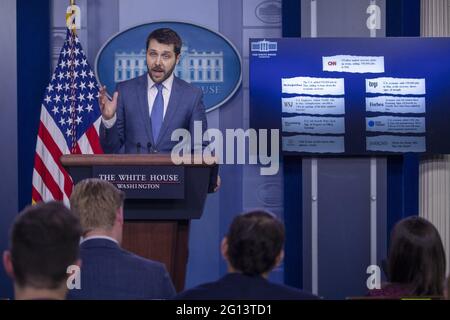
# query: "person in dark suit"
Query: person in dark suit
145,111
252,248
43,246
108,271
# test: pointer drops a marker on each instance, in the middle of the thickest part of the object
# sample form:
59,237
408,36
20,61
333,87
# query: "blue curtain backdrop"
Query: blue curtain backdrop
402,20
34,71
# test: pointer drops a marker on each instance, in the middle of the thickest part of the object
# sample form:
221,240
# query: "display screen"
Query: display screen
352,96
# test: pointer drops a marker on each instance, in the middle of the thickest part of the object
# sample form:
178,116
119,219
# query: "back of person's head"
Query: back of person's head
254,243
417,257
96,202
44,242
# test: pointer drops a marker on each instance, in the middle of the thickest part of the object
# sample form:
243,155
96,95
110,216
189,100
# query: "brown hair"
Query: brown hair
44,242
96,203
417,257
166,36
255,239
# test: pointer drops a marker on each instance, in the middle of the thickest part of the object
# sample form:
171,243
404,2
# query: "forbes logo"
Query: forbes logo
208,60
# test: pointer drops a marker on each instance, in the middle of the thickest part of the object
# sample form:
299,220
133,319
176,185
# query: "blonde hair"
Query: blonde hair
96,202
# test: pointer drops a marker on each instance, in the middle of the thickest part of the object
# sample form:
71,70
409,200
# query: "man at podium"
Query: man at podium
140,119
144,111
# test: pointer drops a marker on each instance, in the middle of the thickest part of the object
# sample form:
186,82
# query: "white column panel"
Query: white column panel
134,12
434,172
8,121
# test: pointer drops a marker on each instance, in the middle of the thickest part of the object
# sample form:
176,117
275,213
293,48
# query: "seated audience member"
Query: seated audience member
416,261
108,271
252,248
44,242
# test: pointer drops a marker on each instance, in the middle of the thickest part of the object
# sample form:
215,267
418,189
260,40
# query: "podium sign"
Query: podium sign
144,182
161,199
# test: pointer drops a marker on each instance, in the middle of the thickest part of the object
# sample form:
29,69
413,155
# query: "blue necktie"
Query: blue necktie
157,112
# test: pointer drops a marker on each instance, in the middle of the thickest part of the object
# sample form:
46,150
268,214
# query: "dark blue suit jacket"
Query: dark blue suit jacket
237,286
133,125
109,272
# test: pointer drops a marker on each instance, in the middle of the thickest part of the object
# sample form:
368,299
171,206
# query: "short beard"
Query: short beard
166,76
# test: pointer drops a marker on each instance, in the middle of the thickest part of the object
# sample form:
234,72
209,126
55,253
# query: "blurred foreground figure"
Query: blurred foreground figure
416,261
108,271
44,243
252,248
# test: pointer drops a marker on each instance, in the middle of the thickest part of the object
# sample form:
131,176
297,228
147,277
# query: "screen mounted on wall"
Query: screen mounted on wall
352,96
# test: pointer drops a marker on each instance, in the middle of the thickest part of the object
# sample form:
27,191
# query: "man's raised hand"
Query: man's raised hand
108,107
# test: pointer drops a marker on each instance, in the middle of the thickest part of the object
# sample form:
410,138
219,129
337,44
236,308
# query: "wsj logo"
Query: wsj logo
288,104
373,84
332,63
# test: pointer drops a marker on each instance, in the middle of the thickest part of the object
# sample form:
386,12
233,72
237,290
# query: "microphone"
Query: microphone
138,147
149,146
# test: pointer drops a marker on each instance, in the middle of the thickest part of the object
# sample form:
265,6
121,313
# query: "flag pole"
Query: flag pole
71,58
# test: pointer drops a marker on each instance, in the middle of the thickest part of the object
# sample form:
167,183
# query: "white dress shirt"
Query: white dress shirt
151,95
98,237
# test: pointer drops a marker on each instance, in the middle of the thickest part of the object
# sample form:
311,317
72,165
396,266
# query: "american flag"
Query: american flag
69,122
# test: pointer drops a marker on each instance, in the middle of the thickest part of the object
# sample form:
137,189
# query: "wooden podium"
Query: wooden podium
159,207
